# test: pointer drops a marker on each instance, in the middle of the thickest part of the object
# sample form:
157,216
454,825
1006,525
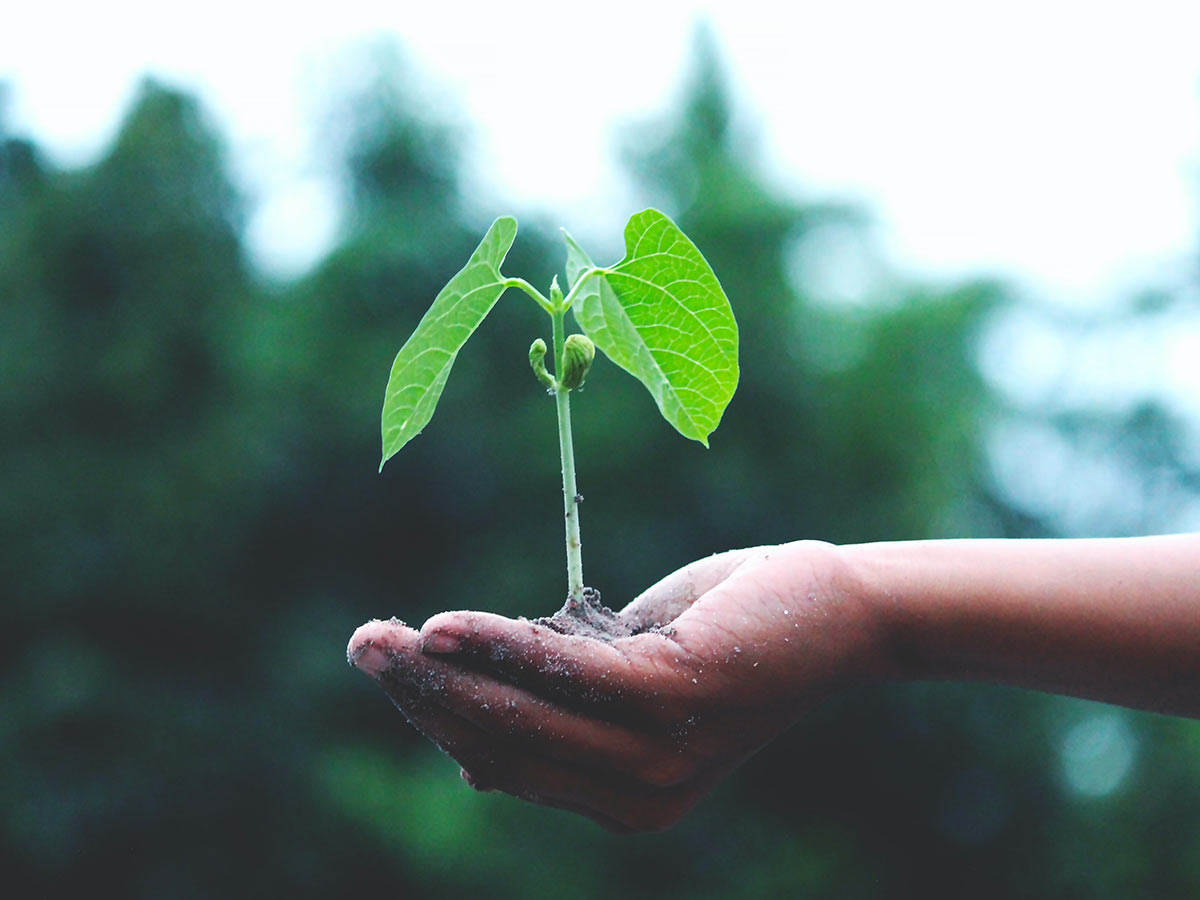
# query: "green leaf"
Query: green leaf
661,315
423,363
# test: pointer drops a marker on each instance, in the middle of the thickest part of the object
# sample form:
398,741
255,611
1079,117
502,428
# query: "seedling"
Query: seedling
660,314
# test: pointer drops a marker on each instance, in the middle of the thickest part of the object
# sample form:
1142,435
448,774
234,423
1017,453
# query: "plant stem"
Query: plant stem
533,292
562,398
580,282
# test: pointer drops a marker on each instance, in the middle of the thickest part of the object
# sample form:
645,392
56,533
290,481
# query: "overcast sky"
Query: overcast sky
1057,142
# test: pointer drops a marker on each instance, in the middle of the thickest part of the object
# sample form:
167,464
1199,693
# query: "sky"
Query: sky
1054,142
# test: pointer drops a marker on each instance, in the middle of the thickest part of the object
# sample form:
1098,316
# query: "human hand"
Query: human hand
726,653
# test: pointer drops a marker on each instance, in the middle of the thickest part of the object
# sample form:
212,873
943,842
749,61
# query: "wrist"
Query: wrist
875,574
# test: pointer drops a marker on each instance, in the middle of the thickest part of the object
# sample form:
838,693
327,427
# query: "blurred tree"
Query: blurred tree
1114,448
140,742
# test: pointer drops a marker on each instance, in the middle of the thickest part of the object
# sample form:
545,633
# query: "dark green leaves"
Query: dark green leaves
423,363
661,315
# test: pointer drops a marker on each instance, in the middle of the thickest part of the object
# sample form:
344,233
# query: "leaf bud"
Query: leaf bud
556,294
537,360
578,353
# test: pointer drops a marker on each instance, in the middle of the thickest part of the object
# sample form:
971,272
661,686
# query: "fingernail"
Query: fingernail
437,642
370,660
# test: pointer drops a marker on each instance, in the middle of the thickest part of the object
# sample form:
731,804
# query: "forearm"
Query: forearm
1116,620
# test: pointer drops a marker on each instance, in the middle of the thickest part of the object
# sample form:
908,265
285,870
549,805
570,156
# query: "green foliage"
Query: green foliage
421,367
661,315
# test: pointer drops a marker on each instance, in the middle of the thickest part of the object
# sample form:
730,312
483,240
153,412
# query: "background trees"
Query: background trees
192,525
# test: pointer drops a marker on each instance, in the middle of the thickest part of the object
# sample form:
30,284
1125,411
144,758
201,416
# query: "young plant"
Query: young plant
660,314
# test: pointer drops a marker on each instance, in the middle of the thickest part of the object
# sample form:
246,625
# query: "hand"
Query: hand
727,652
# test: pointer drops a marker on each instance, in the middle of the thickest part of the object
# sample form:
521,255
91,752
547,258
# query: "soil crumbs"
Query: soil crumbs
589,618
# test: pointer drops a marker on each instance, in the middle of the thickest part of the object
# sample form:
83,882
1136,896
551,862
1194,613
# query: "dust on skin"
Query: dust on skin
588,617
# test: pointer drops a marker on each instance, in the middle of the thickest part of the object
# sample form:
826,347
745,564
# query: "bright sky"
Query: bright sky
1055,141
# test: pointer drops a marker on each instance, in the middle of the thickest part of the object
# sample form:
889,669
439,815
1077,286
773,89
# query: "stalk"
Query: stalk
562,399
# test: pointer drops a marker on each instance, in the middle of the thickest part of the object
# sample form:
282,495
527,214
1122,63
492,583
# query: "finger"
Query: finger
541,726
487,766
665,600
618,804
649,800
573,669
374,646
388,652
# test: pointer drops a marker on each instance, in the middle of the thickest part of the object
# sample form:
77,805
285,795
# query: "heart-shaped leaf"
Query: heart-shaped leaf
661,315
421,367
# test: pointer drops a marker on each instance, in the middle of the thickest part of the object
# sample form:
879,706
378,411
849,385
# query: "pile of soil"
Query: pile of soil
589,618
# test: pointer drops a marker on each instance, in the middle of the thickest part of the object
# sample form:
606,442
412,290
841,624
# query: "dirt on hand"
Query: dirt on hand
589,618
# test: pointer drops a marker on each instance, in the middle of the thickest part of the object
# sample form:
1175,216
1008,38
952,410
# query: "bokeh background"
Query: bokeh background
191,521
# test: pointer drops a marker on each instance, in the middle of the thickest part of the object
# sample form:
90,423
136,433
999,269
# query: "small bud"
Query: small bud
537,353
556,294
537,360
578,353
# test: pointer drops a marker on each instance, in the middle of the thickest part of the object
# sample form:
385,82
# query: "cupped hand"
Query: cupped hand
726,653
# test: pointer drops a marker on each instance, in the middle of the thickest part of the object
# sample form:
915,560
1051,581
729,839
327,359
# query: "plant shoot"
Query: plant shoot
660,314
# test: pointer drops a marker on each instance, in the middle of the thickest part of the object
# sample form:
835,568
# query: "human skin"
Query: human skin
634,732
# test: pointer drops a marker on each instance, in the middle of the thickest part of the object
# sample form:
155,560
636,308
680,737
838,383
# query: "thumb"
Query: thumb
666,600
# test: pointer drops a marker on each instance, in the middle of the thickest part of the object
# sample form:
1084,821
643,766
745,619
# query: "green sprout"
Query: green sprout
660,314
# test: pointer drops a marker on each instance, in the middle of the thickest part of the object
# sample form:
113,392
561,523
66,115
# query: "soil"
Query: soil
589,618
